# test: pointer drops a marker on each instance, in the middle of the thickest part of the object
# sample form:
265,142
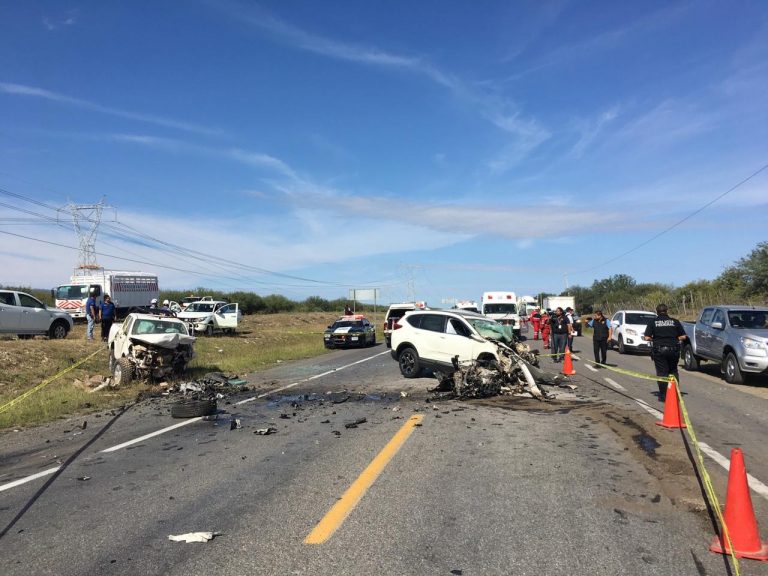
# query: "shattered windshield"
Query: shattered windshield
158,326
490,329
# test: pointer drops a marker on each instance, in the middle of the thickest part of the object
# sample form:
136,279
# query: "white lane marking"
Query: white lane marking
591,368
615,384
644,405
754,483
316,376
21,481
152,434
574,357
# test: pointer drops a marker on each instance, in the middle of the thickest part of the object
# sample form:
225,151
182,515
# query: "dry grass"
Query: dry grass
261,341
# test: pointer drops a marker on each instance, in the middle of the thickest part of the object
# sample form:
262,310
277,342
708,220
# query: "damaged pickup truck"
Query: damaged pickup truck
148,346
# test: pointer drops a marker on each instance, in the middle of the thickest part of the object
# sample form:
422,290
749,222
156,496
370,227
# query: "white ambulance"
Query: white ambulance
502,307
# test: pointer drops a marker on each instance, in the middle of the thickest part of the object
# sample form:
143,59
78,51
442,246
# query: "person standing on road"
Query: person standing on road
601,334
572,331
561,329
536,321
91,313
665,335
545,329
107,316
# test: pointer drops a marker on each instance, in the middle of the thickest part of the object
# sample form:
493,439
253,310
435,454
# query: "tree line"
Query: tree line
744,282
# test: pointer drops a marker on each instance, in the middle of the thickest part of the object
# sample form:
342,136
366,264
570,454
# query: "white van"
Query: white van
502,307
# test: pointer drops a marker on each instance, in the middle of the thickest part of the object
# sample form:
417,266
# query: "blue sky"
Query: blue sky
431,149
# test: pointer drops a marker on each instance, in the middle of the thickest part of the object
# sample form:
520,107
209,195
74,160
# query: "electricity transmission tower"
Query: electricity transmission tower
86,219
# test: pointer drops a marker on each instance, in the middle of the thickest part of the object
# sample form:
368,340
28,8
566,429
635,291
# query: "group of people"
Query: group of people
665,334
556,328
103,312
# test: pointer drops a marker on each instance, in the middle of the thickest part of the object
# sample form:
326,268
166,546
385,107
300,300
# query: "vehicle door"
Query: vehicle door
431,344
458,341
120,343
616,322
226,317
10,313
34,315
702,333
717,336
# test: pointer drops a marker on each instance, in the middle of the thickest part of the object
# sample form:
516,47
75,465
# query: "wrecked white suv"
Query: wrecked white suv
148,346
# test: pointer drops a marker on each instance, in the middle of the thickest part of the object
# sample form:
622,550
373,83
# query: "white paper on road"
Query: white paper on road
193,537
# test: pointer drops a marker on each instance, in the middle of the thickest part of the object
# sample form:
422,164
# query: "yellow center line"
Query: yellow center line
339,512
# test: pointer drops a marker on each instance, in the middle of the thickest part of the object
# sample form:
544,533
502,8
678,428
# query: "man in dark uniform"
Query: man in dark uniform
561,329
665,334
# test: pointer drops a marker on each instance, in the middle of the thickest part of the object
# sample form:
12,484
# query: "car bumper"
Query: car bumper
345,341
753,364
637,343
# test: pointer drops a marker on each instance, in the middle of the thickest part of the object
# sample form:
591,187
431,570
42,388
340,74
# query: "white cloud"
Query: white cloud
590,129
35,92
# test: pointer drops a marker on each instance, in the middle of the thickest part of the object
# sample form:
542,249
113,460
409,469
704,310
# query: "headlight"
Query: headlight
632,331
327,336
754,347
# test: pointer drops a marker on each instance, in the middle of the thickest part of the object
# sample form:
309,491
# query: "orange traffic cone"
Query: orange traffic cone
568,363
739,516
672,417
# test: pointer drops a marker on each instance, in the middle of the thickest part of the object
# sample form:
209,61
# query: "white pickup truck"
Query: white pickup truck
734,336
25,315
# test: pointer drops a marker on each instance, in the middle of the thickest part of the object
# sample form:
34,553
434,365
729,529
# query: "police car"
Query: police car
352,330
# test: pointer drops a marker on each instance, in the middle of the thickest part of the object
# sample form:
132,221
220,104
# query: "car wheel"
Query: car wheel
58,330
193,408
373,342
731,369
409,363
690,362
122,372
622,348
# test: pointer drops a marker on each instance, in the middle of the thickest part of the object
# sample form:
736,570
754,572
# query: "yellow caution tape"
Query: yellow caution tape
45,383
707,481
633,373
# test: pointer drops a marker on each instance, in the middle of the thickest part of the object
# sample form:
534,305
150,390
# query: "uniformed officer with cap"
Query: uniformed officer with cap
665,334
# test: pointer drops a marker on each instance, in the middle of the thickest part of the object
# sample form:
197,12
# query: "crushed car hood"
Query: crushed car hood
165,340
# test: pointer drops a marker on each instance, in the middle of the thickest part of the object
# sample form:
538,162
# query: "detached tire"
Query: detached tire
410,366
122,372
193,408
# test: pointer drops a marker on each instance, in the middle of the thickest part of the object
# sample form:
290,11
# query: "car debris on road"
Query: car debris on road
516,372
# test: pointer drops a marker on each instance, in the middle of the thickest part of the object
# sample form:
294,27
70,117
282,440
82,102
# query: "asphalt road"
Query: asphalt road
584,484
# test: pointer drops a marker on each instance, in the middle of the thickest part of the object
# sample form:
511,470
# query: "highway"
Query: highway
584,484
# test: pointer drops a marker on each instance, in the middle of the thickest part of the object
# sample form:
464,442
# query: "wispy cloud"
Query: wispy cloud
606,40
35,92
55,23
590,129
526,132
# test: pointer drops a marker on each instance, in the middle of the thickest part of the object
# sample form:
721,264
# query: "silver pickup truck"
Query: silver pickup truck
734,336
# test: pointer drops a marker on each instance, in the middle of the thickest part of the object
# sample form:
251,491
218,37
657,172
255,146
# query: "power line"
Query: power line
676,224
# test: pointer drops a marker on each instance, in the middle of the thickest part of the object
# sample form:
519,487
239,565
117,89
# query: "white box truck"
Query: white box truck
502,307
553,302
127,290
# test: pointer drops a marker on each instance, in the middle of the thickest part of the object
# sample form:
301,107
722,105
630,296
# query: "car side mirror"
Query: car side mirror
717,325
328,327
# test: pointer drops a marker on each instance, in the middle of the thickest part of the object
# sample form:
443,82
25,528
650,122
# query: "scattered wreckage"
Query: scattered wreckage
515,372
148,346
